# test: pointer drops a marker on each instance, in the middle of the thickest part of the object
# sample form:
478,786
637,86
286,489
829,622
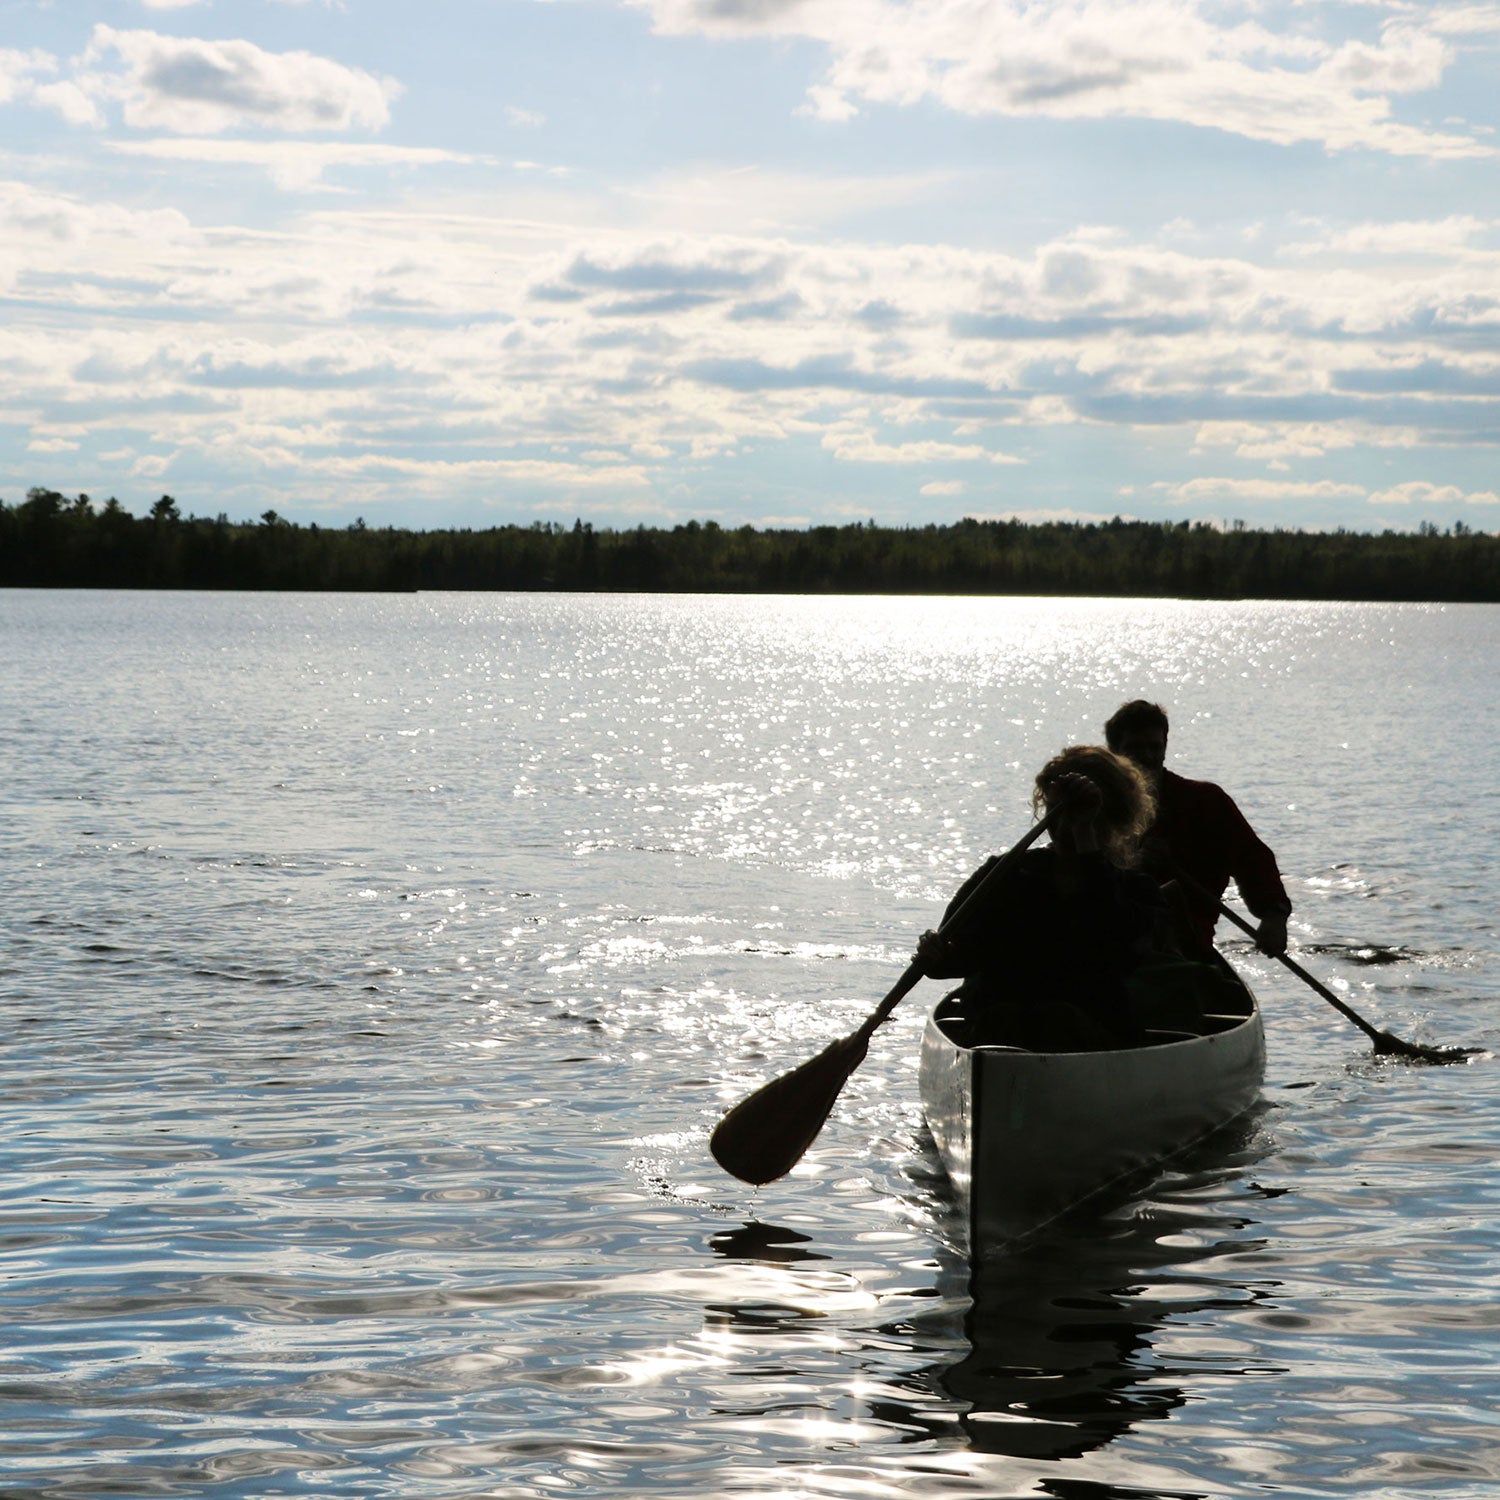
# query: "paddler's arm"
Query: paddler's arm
945,954
1270,936
937,957
1252,866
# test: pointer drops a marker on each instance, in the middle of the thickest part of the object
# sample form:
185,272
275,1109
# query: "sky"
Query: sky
778,262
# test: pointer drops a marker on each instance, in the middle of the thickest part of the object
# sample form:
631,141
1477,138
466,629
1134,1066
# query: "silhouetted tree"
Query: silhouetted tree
48,540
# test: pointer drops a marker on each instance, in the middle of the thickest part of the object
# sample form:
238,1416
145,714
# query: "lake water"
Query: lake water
373,969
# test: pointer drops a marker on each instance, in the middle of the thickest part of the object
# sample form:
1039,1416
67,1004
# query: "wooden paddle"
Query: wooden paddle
766,1134
1386,1043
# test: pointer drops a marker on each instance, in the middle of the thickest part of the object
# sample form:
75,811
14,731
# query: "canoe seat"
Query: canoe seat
1210,1025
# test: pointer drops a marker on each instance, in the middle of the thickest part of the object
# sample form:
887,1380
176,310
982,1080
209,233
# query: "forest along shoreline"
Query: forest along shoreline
50,540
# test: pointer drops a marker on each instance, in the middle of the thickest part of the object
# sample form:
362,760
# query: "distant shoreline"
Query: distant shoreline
51,541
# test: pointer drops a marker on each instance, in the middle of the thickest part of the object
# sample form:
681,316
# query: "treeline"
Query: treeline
49,540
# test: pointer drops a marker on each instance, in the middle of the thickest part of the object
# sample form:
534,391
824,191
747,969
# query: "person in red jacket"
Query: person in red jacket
1202,835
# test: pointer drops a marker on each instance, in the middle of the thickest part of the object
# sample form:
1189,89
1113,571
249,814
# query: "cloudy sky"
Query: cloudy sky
777,261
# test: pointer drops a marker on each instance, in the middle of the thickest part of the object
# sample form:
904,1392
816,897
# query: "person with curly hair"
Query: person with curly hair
1046,959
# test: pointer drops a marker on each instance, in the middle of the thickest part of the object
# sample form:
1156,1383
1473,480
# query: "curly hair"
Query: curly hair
1128,809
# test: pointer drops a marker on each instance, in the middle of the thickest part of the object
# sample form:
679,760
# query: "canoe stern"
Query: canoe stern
1025,1136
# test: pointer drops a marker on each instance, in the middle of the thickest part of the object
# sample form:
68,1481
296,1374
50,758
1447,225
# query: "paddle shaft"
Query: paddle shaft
914,972
1386,1043
1348,1012
766,1134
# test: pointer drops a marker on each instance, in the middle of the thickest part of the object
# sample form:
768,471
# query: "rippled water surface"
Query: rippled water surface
372,971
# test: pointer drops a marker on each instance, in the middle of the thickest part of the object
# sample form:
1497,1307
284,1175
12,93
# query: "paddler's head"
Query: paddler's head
1102,799
1138,731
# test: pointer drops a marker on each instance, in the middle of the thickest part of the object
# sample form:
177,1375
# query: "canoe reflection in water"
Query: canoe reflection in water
1057,1348
1064,1332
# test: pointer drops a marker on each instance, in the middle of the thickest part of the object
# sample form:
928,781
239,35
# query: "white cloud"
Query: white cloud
414,348
48,232
758,200
1466,20
865,448
1275,442
19,71
1406,60
293,165
1398,237
70,101
1217,488
825,102
1096,59
1421,492
152,465
719,324
192,86
441,474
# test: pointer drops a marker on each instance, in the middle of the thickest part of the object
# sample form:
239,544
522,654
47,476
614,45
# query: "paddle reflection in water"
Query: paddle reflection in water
757,1241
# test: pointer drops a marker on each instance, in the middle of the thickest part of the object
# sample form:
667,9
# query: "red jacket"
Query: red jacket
1208,837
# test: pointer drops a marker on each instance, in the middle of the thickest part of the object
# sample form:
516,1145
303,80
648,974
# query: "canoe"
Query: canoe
1026,1136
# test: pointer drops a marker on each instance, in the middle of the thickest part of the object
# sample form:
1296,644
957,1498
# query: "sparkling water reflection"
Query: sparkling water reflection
372,971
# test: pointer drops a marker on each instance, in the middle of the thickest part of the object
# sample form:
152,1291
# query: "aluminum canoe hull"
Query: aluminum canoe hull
1026,1136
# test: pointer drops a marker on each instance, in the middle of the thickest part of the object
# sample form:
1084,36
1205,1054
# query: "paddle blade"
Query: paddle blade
765,1135
1389,1045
